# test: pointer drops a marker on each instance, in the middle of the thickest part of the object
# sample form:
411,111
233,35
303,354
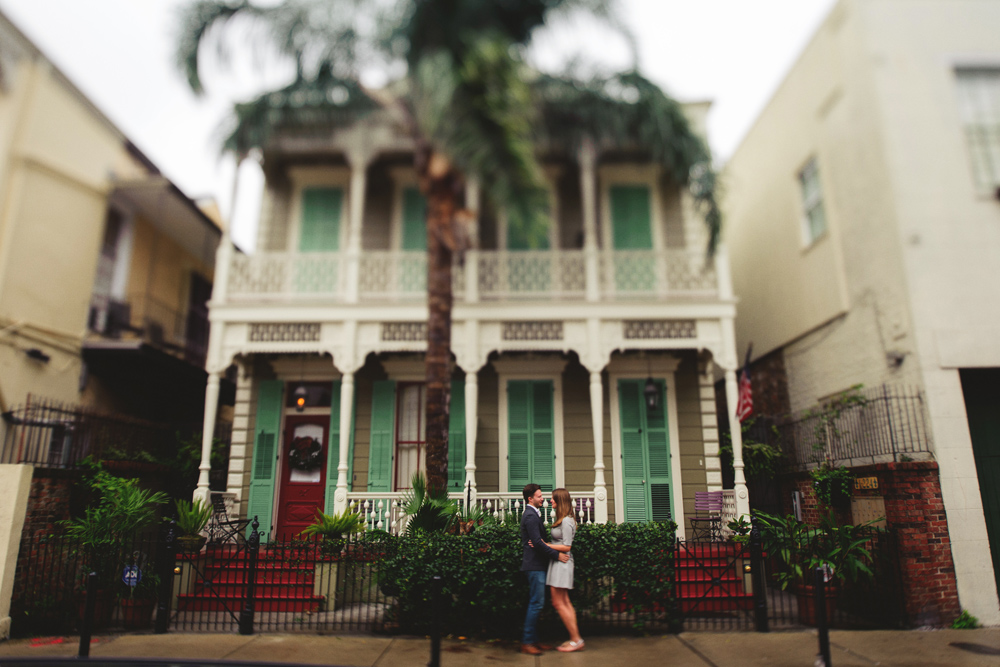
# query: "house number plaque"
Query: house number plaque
866,483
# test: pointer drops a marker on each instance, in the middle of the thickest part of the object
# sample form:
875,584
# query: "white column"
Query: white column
588,188
471,428
359,170
207,435
346,404
597,420
740,487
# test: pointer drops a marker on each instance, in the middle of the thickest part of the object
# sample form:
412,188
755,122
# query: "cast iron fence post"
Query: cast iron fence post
757,579
253,546
168,557
819,579
435,622
676,621
88,616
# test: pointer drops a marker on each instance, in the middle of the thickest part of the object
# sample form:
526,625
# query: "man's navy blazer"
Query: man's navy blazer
537,558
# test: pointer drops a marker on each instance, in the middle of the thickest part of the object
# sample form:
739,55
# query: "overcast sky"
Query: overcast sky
119,53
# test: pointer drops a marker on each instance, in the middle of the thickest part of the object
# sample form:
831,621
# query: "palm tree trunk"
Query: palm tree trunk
441,206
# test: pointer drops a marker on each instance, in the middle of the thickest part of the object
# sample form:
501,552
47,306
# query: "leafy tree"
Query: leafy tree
467,96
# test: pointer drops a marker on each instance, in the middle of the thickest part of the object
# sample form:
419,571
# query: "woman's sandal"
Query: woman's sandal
570,646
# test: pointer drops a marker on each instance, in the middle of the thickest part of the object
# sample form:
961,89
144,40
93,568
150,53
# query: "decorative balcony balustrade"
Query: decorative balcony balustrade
399,276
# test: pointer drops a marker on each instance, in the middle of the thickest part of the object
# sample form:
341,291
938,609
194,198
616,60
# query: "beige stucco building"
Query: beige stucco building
105,271
864,229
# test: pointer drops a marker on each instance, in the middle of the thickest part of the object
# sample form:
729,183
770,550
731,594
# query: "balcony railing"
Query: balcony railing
485,276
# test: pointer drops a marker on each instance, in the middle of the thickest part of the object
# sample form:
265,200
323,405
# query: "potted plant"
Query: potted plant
192,517
332,529
137,605
800,549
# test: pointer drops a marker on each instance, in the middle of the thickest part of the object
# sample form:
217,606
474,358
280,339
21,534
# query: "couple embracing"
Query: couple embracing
550,563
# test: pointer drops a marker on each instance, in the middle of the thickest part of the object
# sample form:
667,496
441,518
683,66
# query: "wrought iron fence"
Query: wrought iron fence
50,434
875,425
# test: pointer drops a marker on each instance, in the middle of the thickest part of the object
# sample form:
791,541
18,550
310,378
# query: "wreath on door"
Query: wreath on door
305,453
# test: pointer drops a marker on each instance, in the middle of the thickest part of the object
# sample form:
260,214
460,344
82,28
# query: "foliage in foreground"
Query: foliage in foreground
484,593
965,621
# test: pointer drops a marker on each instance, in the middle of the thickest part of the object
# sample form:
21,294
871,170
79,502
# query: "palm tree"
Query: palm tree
469,100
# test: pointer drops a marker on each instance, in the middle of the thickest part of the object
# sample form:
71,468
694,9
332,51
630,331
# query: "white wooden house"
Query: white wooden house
553,347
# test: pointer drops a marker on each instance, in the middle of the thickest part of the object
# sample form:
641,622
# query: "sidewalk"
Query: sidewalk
848,649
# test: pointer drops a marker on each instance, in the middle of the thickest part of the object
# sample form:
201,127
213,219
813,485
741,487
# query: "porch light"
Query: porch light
652,395
300,398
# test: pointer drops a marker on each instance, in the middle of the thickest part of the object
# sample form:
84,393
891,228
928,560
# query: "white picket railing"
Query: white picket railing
498,276
384,511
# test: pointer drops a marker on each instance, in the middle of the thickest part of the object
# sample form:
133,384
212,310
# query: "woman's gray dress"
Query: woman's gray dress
560,575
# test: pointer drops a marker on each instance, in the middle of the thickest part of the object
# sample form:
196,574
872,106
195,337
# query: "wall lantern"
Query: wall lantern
652,394
301,394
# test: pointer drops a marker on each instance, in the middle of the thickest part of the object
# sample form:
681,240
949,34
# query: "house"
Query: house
557,350
864,227
106,268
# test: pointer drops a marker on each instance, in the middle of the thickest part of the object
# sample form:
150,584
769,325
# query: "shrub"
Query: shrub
965,621
484,593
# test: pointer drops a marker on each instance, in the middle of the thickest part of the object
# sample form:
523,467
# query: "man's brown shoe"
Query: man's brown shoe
543,647
530,649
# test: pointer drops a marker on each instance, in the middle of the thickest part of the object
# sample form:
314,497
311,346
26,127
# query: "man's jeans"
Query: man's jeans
536,600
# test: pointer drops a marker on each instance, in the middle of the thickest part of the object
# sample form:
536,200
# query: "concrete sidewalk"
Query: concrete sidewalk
862,649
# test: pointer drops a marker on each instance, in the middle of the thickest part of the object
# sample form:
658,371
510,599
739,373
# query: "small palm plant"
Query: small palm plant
192,516
332,529
428,509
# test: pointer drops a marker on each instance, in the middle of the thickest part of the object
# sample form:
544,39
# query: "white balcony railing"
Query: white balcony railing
399,276
384,511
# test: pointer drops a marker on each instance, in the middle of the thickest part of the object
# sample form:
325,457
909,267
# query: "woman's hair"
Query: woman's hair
564,505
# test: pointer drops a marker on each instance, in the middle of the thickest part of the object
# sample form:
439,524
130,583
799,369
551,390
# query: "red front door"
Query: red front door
303,473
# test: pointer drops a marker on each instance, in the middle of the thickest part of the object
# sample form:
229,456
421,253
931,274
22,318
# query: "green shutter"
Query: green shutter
518,434
333,456
530,434
631,407
519,237
543,435
631,217
382,446
260,502
414,220
320,225
658,448
456,437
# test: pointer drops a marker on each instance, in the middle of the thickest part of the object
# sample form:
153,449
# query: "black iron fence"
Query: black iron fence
875,425
336,585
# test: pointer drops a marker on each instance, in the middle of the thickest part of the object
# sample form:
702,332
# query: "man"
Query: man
534,563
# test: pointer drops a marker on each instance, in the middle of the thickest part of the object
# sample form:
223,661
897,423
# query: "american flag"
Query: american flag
744,406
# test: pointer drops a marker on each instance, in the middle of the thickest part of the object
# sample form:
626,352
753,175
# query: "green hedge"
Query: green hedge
619,568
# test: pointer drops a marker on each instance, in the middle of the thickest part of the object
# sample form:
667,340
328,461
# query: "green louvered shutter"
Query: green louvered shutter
333,457
320,225
414,220
543,435
631,408
260,502
382,448
658,448
630,216
518,434
518,236
456,437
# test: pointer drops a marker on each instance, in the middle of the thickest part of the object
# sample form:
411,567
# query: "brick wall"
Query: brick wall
915,510
48,501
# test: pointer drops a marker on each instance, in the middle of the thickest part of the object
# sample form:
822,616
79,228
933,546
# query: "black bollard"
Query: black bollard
247,613
435,622
822,625
168,557
88,616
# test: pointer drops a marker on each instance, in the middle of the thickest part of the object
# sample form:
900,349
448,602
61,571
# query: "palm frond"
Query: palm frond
196,21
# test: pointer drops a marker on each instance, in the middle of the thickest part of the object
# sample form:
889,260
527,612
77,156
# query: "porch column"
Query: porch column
588,184
359,161
597,420
471,426
207,435
735,432
346,403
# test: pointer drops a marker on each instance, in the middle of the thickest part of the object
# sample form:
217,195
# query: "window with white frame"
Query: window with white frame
814,215
979,107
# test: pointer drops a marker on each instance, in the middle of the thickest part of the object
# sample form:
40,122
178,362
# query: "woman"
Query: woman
560,575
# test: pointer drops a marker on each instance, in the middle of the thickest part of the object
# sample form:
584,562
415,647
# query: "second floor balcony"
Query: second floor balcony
484,275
